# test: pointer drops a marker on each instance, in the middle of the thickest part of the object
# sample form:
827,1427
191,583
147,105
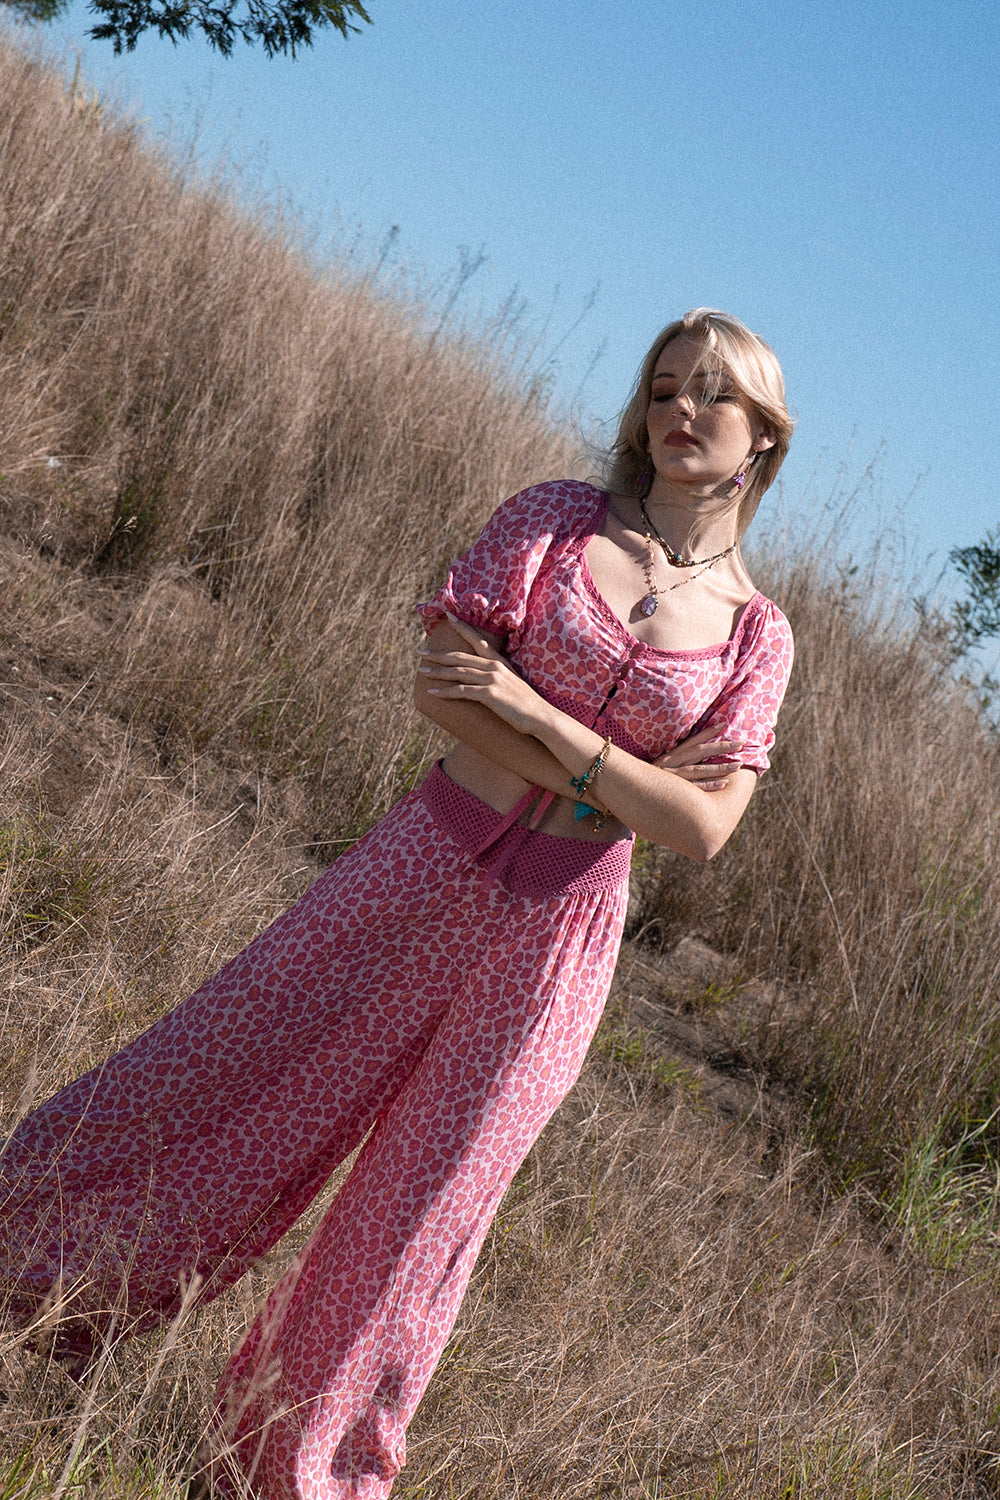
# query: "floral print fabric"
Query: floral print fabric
526,579
438,986
401,991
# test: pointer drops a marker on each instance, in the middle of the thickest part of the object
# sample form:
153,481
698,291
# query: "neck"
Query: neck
692,525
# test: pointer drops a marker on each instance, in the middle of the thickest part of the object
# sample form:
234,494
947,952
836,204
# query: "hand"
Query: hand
482,675
702,758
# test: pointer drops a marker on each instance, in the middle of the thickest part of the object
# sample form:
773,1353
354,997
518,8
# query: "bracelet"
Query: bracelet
602,759
581,783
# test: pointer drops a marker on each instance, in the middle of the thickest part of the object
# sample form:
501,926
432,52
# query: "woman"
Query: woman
605,665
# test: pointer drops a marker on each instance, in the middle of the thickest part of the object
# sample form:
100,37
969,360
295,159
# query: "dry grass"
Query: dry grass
867,875
755,1253
228,429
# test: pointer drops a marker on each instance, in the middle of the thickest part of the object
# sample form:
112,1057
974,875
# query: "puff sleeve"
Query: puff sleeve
747,707
488,586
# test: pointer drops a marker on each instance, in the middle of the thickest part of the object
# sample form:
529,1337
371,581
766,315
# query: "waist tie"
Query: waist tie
516,855
509,847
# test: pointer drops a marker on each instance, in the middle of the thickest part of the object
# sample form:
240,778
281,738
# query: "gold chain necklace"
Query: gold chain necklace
648,604
674,558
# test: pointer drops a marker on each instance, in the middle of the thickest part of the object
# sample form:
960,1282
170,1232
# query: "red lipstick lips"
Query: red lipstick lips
680,440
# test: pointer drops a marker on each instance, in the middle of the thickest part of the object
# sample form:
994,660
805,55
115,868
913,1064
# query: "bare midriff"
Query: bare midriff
503,790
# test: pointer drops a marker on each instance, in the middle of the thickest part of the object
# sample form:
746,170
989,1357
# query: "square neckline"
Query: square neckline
732,640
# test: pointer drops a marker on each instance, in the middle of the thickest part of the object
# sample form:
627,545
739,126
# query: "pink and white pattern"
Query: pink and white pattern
392,992
527,580
440,982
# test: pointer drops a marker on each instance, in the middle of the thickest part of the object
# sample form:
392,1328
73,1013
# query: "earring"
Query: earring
740,479
642,481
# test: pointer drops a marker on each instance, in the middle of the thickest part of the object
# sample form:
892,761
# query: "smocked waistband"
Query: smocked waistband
522,859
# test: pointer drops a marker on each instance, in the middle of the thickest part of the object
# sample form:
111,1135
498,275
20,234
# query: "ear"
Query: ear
763,440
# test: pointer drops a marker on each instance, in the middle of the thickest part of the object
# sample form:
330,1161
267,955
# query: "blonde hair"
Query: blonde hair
729,348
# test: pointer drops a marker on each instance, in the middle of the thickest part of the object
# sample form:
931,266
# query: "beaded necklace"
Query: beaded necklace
648,604
674,558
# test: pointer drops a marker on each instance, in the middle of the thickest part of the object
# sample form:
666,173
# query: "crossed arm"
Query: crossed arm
465,686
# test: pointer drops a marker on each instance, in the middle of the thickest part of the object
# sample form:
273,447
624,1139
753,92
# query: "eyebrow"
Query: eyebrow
720,375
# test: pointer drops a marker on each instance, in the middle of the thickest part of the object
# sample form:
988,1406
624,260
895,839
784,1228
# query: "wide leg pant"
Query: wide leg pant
413,988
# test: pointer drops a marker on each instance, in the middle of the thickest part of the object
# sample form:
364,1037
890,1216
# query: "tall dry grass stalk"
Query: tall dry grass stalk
867,876
288,459
226,479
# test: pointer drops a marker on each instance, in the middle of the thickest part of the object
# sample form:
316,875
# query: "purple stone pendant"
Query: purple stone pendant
647,606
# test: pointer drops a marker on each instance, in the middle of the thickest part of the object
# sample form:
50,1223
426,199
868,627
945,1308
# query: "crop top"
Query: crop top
526,580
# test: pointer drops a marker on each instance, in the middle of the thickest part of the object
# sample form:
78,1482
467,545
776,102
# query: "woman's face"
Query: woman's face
698,440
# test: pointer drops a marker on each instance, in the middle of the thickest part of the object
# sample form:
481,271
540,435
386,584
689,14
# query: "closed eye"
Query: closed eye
705,397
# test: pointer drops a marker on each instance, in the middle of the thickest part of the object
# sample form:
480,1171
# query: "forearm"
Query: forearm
479,728
657,804
465,685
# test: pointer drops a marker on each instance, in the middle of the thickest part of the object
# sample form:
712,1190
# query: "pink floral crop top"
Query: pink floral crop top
526,579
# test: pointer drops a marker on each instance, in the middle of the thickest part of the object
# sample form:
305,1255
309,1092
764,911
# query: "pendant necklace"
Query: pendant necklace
648,604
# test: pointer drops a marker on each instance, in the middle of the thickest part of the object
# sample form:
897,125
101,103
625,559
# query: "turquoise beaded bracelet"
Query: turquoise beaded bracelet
581,783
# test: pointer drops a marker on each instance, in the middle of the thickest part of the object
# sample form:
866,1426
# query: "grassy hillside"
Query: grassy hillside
755,1254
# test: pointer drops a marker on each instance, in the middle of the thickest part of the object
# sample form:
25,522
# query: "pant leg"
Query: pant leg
317,1399
195,1148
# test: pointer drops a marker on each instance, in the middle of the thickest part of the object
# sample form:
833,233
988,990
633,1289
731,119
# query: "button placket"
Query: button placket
621,677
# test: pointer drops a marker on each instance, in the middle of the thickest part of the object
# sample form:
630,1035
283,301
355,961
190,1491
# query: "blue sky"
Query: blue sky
828,172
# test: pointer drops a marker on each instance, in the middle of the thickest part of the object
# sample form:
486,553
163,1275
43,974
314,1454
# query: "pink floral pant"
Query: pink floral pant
425,985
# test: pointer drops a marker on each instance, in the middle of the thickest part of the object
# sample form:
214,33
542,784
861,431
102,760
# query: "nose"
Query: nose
685,402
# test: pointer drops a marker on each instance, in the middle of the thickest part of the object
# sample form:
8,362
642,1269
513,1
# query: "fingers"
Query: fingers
457,675
717,749
697,776
480,645
702,774
446,674
700,750
706,739
486,680
457,665
703,737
